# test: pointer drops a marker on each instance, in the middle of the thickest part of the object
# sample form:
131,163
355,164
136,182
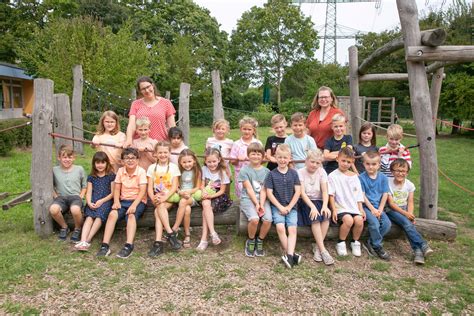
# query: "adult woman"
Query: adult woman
319,119
159,111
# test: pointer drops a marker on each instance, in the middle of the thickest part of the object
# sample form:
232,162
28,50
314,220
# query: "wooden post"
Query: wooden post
184,90
392,114
133,94
435,92
216,91
62,120
379,112
77,107
168,95
354,91
41,161
421,107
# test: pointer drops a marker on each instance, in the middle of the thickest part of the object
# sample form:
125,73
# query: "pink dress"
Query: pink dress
157,114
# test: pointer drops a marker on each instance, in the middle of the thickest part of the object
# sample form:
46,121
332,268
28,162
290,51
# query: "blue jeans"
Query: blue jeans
289,220
414,237
378,228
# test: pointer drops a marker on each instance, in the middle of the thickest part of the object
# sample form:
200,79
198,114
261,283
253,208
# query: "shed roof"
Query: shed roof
13,71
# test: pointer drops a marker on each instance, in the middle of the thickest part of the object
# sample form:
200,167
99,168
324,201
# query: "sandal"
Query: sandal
202,245
215,239
187,241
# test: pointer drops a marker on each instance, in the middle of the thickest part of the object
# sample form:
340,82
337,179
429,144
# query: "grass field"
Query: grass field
44,275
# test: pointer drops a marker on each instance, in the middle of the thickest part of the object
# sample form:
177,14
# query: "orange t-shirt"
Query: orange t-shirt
321,130
131,183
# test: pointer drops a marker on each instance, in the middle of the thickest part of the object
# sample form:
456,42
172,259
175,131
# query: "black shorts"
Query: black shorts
341,215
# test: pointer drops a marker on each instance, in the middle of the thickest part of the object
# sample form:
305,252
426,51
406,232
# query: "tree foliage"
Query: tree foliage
269,39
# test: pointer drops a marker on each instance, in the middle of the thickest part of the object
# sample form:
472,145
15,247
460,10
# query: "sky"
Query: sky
362,16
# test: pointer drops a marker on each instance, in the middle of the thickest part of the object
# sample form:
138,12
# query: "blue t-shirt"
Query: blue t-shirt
299,148
374,188
335,145
282,184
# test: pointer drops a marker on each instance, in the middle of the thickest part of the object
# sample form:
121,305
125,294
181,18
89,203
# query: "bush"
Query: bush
292,105
18,137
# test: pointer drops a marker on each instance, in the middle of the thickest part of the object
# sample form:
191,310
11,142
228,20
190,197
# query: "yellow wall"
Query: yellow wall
28,96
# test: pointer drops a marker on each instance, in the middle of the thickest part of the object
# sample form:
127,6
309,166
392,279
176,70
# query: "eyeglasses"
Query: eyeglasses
130,158
400,171
324,97
146,88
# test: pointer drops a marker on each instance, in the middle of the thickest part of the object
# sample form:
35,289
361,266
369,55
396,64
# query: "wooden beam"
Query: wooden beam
354,93
435,92
385,77
421,108
42,158
77,107
440,53
431,68
62,120
184,91
22,198
218,112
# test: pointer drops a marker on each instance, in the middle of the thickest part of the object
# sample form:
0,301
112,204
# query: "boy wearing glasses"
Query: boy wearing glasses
129,202
401,206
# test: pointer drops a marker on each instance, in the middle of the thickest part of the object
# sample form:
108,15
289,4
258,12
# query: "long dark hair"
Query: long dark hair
365,127
100,156
150,81
197,167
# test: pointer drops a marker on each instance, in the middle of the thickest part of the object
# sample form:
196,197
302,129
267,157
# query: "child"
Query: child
313,205
375,188
175,137
367,142
70,185
248,132
108,132
299,142
189,192
129,202
393,149
345,200
283,191
336,142
162,186
214,198
279,125
401,206
253,201
145,144
220,129
100,188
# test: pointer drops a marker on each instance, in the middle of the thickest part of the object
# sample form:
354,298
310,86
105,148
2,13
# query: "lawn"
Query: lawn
44,275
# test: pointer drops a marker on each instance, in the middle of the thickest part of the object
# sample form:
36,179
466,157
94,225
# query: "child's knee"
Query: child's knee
113,215
187,210
280,228
76,210
292,231
54,209
348,220
253,221
358,221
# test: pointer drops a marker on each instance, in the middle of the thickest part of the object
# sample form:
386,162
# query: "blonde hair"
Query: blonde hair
251,121
314,154
112,115
395,131
221,166
283,148
142,121
162,143
315,103
220,122
338,118
297,117
277,118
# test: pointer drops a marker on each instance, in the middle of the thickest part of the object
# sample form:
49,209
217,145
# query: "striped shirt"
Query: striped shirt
387,156
282,184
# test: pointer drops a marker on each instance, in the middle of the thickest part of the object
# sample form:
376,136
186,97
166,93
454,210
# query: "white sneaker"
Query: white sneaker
327,259
355,246
341,248
317,254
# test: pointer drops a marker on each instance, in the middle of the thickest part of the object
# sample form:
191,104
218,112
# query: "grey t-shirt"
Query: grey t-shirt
187,180
255,177
69,182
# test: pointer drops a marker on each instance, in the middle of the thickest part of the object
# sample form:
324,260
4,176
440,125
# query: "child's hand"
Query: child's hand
284,210
334,217
376,213
131,210
92,205
95,143
185,194
141,148
401,150
98,203
260,211
325,212
362,213
314,213
157,199
116,206
410,216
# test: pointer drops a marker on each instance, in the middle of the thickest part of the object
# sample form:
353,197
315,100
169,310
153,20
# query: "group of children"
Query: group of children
301,186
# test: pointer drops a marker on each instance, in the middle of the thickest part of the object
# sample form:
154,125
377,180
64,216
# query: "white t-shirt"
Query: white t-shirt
400,193
175,153
347,191
224,145
214,180
312,182
162,176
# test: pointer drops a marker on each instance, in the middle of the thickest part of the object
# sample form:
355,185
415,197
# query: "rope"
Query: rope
453,125
13,127
84,130
453,182
378,126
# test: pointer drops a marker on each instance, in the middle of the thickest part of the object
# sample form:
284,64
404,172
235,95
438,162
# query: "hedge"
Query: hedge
18,137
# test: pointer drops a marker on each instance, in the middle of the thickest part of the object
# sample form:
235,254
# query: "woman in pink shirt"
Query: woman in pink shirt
319,119
159,111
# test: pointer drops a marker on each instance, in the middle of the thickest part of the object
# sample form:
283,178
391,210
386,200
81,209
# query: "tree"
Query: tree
270,39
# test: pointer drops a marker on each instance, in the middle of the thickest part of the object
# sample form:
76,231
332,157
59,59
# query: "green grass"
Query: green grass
30,264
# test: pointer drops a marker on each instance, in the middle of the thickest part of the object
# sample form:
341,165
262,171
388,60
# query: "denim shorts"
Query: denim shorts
122,212
66,201
291,219
248,208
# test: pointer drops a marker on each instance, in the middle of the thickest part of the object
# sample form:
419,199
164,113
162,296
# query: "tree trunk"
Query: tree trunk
456,122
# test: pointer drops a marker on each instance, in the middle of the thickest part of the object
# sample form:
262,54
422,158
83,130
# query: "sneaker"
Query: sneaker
382,254
426,250
297,259
76,235
63,233
82,246
341,248
156,249
287,260
202,245
355,246
174,242
419,257
259,252
317,254
250,247
104,251
368,247
326,258
215,239
125,252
